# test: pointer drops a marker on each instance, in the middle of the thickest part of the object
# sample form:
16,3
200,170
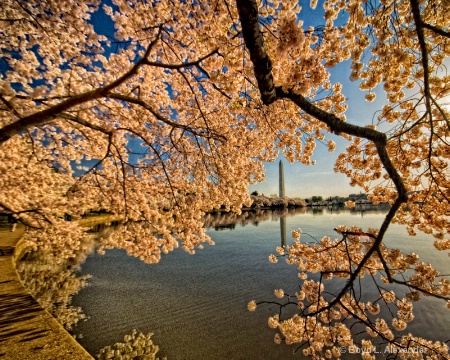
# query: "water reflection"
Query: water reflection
196,305
227,221
219,221
53,281
358,209
283,231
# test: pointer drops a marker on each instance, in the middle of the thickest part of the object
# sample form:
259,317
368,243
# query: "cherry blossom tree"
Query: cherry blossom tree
173,114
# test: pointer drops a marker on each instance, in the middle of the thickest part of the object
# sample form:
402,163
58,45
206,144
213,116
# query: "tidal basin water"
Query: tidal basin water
196,305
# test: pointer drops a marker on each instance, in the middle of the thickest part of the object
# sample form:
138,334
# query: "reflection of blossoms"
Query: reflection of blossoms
135,346
251,306
279,293
50,276
374,309
319,326
388,296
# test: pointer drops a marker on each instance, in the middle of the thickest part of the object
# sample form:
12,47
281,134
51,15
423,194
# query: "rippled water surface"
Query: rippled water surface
196,305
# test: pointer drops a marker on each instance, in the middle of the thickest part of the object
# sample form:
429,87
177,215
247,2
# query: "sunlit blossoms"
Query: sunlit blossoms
321,309
168,110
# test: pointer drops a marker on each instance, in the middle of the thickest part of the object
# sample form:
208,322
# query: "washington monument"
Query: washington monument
281,180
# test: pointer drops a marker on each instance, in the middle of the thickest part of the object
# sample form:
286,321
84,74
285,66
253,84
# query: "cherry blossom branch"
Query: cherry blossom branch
147,106
36,211
44,116
436,29
406,283
85,123
181,65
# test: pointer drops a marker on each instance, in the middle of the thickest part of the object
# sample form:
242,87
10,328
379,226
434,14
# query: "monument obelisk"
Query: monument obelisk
281,180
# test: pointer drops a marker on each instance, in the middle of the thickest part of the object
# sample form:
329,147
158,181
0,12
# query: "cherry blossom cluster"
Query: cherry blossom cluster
135,346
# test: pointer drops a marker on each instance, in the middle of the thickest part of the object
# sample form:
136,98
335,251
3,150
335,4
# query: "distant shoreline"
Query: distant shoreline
357,206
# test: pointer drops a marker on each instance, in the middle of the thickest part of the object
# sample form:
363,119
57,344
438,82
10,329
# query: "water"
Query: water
196,305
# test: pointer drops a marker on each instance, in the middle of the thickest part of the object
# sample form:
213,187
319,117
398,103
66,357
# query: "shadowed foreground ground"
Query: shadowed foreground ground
26,330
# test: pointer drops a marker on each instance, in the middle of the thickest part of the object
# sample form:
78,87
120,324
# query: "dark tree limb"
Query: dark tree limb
436,29
248,13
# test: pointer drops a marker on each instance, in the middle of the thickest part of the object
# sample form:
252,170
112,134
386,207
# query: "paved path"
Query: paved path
27,331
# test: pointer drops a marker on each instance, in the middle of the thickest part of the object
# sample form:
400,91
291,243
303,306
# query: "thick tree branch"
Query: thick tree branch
335,124
248,13
423,49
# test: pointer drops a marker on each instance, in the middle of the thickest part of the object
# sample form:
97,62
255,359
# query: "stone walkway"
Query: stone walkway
27,331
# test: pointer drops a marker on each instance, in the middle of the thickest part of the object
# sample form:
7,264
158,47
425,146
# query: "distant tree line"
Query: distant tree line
262,201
